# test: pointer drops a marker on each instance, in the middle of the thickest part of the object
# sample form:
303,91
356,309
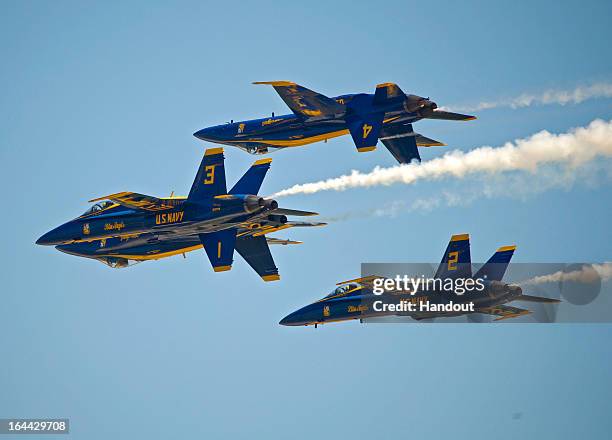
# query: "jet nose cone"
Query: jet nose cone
205,134
285,320
59,235
45,239
290,319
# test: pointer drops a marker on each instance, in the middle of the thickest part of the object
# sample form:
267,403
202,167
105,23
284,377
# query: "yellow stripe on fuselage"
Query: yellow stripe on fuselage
298,142
155,256
303,141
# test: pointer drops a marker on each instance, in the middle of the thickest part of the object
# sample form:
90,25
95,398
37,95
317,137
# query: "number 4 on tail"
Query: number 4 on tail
366,130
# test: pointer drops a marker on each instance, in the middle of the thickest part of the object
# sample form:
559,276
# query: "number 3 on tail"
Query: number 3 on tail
210,174
366,130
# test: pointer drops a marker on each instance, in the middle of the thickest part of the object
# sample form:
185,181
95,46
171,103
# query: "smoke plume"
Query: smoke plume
572,149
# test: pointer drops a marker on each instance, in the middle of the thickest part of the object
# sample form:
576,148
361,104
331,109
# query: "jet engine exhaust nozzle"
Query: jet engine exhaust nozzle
270,204
253,203
414,103
278,218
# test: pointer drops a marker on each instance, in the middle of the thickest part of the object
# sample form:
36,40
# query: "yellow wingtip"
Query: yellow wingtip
366,149
436,144
222,268
274,277
276,83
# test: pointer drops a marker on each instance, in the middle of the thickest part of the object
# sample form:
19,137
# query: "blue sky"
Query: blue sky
104,97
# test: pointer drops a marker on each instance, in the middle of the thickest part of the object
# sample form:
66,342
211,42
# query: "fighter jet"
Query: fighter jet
126,228
358,298
387,115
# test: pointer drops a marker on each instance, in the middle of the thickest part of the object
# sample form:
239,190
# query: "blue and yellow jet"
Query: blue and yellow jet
126,228
355,299
387,115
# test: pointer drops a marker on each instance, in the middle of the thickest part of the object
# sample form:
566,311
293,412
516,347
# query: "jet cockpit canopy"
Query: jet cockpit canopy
342,290
99,207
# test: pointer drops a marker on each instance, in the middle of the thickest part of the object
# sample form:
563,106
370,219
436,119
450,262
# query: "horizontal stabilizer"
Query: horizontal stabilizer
137,201
537,299
257,254
305,102
423,141
503,312
284,211
448,116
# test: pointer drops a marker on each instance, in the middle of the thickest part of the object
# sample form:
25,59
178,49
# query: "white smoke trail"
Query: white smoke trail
561,97
573,149
515,185
587,274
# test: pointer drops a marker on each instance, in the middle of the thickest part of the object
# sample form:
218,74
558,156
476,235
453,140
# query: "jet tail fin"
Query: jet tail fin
210,178
251,181
219,247
257,254
456,262
495,268
387,91
365,130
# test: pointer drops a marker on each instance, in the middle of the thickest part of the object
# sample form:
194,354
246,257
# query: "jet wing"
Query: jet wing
257,254
137,201
504,312
402,142
305,102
